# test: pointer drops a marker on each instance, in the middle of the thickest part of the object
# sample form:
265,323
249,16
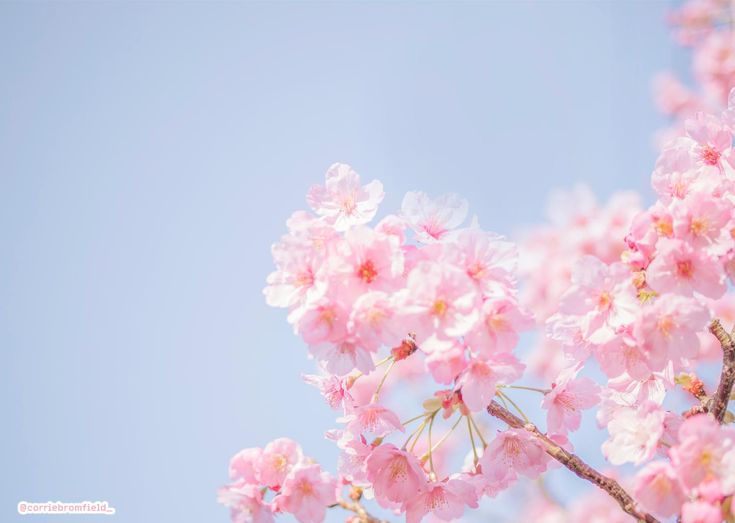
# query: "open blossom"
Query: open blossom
440,303
669,329
488,259
481,377
446,364
370,260
333,388
246,503
445,500
396,475
705,451
569,395
277,459
634,434
514,450
342,201
431,218
602,297
244,465
657,489
372,419
306,493
701,512
682,269
343,356
373,321
501,320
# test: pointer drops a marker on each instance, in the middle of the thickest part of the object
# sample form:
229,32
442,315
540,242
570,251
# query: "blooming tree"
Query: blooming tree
413,321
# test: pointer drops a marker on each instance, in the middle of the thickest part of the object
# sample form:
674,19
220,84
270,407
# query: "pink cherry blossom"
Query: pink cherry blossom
342,200
343,356
681,269
246,503
515,450
569,395
333,388
446,364
244,465
700,512
481,377
634,434
705,451
657,489
396,475
602,297
373,321
431,218
668,329
372,419
445,500
277,459
440,303
306,492
497,331
371,260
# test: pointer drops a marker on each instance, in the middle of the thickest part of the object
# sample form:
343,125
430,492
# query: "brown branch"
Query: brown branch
354,506
717,405
573,463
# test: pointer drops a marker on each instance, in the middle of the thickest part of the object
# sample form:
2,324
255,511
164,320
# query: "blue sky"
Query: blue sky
151,152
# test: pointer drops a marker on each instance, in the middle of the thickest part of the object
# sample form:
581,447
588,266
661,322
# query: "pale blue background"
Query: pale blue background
150,153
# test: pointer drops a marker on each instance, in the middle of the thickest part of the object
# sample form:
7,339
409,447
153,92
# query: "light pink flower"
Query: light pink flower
396,475
246,503
342,357
440,302
370,260
244,465
568,397
372,419
487,258
278,458
373,322
700,512
446,364
705,451
700,219
324,321
634,434
431,218
497,331
515,450
306,492
667,329
681,269
479,380
602,297
657,489
333,388
342,200
445,500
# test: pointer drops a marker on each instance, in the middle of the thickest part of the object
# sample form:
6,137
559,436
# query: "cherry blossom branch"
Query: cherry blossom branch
573,463
354,506
717,405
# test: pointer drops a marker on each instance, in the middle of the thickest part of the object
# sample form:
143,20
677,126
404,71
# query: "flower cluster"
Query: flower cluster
706,27
643,318
300,486
578,226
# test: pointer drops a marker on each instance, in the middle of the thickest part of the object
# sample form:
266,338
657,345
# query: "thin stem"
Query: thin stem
417,433
444,437
515,405
477,429
422,415
431,454
573,463
472,440
382,381
522,387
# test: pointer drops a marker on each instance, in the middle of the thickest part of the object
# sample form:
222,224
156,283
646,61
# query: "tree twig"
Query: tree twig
717,405
573,463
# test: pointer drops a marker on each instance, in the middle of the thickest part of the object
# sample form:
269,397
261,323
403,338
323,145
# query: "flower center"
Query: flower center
709,155
685,269
439,308
367,272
